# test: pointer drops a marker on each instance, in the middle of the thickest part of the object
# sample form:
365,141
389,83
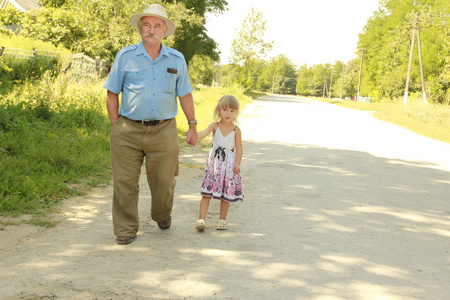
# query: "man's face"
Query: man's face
152,30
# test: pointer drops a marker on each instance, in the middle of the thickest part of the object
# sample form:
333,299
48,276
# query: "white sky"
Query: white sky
306,31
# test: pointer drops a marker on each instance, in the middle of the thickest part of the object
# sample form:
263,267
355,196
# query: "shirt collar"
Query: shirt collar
141,50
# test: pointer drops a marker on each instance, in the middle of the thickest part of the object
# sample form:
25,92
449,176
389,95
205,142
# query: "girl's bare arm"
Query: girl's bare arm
204,133
239,151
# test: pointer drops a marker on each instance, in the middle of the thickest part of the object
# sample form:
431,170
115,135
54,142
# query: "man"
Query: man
150,76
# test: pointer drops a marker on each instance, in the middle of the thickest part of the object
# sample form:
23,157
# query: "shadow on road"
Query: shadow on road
315,223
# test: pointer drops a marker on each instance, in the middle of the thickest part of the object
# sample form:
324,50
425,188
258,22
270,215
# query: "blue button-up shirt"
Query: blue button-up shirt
149,88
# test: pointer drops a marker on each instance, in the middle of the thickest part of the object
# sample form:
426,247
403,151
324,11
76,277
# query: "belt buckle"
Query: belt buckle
150,122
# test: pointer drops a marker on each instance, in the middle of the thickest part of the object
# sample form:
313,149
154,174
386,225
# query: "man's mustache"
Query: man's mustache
148,34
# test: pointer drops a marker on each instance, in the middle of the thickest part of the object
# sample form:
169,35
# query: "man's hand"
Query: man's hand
192,136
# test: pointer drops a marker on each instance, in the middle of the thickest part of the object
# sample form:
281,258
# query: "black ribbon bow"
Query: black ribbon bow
220,151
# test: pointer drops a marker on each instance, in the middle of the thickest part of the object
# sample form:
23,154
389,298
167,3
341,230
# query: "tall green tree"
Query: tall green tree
191,37
318,79
201,70
249,45
336,78
278,76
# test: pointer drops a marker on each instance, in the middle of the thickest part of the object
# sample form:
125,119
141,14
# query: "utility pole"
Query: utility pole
273,82
331,82
324,83
408,76
421,65
360,73
342,82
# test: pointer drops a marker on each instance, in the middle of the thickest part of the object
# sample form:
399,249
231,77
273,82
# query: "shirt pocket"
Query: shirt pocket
171,80
135,78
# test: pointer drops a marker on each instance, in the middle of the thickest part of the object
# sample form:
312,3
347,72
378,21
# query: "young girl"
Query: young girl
222,179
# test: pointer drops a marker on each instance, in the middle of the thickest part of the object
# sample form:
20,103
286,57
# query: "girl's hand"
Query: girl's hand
236,169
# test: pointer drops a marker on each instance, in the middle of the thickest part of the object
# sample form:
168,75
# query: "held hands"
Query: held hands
192,136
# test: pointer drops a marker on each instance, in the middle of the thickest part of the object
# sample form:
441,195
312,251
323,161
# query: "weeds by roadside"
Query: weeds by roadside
54,143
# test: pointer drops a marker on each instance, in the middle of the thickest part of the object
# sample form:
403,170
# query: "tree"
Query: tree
102,27
278,76
303,79
191,36
250,45
336,79
351,76
201,70
386,41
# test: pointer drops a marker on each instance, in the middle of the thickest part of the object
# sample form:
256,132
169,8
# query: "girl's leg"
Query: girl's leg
224,205
204,204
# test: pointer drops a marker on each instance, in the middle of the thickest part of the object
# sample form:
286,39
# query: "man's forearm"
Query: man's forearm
112,104
187,105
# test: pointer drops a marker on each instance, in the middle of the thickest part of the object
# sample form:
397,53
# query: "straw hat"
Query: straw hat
154,10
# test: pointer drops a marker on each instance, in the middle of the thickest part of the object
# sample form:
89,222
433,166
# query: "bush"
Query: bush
53,135
18,68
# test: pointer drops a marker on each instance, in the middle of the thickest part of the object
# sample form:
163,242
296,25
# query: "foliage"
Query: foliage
10,18
101,27
201,70
17,68
279,76
53,133
249,46
387,39
314,81
191,38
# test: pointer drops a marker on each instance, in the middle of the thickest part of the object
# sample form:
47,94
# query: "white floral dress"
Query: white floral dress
219,180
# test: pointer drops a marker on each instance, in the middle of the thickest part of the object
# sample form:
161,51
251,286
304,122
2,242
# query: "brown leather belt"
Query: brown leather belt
149,122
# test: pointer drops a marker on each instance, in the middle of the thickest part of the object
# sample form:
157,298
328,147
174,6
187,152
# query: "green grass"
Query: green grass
17,69
430,120
54,143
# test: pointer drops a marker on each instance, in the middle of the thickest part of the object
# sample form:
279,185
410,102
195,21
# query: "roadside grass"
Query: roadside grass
54,144
426,119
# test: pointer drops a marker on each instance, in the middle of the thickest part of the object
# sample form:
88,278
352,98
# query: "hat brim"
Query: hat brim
134,20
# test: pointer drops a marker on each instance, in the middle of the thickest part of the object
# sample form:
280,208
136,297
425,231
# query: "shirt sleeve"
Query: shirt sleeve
114,81
184,86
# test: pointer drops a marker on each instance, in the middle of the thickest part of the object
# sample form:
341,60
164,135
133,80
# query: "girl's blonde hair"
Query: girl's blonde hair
227,101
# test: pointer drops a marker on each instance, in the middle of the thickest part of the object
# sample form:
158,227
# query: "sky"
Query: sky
306,31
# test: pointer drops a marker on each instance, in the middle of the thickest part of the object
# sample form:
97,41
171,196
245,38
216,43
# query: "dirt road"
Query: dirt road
338,205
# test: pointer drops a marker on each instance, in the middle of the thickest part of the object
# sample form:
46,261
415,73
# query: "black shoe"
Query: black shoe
165,224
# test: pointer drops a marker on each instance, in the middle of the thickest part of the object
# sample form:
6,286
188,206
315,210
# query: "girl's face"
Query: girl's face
227,114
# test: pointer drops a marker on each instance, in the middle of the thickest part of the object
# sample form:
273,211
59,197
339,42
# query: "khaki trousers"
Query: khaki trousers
130,143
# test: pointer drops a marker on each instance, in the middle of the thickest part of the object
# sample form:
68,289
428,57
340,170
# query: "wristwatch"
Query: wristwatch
192,122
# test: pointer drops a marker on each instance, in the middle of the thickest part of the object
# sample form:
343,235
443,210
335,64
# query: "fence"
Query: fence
84,65
81,65
27,53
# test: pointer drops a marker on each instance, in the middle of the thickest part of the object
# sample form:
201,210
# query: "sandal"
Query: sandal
124,240
222,224
200,225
